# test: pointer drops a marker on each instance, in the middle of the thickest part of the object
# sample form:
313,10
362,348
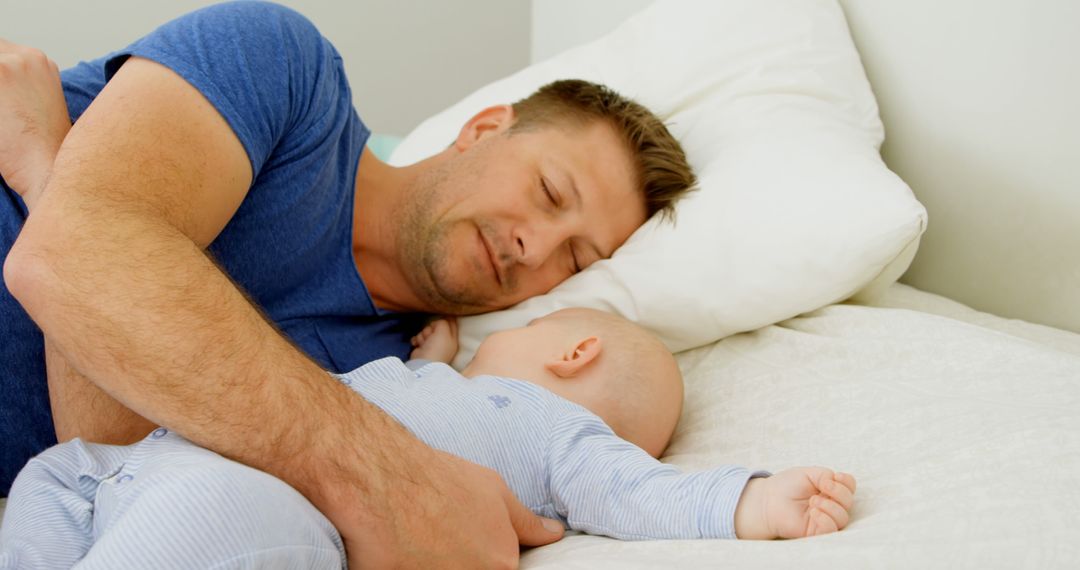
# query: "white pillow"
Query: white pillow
796,208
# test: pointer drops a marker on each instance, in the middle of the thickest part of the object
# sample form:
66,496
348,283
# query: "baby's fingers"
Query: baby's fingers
846,479
837,513
820,523
439,326
838,492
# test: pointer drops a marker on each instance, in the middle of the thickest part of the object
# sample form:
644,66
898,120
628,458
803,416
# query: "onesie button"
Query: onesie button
159,433
124,479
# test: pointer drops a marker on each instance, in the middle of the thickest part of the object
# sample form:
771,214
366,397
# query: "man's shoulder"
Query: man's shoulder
262,35
253,18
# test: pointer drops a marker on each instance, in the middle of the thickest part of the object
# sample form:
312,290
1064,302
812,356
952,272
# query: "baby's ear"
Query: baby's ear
576,359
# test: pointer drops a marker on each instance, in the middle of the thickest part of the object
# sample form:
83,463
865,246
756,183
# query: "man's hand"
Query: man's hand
438,341
797,502
439,512
33,118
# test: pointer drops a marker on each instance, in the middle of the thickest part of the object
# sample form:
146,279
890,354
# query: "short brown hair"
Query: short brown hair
663,173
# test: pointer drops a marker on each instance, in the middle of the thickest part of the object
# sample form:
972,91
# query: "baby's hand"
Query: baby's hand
438,341
797,502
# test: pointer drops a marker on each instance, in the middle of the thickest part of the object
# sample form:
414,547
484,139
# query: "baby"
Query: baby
571,411
621,374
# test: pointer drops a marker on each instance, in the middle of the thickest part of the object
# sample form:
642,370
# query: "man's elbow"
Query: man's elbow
28,276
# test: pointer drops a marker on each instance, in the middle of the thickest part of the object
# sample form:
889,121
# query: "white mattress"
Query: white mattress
962,428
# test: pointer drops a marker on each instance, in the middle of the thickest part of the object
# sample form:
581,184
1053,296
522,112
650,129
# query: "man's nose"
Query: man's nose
536,243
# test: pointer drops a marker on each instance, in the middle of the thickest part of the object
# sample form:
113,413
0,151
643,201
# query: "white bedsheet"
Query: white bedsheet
962,428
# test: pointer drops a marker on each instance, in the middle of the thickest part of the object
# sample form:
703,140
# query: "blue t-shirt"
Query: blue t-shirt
282,88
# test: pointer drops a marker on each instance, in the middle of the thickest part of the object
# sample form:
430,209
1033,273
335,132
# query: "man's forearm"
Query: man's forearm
81,409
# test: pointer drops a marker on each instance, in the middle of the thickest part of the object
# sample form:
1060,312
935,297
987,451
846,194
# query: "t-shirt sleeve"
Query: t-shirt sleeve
263,67
602,484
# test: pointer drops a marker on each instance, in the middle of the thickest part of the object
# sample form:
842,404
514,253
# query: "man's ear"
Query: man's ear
493,120
577,359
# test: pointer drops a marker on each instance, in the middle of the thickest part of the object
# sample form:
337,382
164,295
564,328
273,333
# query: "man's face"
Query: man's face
511,215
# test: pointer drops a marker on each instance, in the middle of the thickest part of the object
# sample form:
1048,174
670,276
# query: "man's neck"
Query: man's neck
381,191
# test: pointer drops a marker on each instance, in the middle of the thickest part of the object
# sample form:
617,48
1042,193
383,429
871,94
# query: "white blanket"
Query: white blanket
962,428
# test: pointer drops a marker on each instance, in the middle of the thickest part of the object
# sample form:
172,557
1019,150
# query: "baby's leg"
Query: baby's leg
176,505
48,522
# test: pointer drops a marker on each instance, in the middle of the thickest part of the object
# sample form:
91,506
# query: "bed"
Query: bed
962,426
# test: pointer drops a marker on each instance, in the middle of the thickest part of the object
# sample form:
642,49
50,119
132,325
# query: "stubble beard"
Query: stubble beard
426,254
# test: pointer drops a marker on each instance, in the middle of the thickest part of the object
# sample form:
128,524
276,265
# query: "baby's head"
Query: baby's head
601,361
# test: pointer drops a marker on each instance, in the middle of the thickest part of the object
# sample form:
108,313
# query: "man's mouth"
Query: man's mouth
491,257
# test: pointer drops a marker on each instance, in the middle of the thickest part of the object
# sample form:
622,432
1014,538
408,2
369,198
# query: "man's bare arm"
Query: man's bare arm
33,124
81,409
110,265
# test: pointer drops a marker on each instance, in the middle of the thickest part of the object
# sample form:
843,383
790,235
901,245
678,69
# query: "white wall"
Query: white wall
406,59
558,25
981,105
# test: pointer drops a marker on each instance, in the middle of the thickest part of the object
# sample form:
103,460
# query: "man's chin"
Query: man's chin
464,300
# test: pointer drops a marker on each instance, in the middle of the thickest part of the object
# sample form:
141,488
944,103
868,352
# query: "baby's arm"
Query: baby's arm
438,341
602,484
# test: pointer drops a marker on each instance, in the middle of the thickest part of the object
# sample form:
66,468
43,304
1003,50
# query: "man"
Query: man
213,234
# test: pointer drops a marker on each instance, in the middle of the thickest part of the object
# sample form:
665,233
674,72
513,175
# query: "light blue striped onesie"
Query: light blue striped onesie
167,503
